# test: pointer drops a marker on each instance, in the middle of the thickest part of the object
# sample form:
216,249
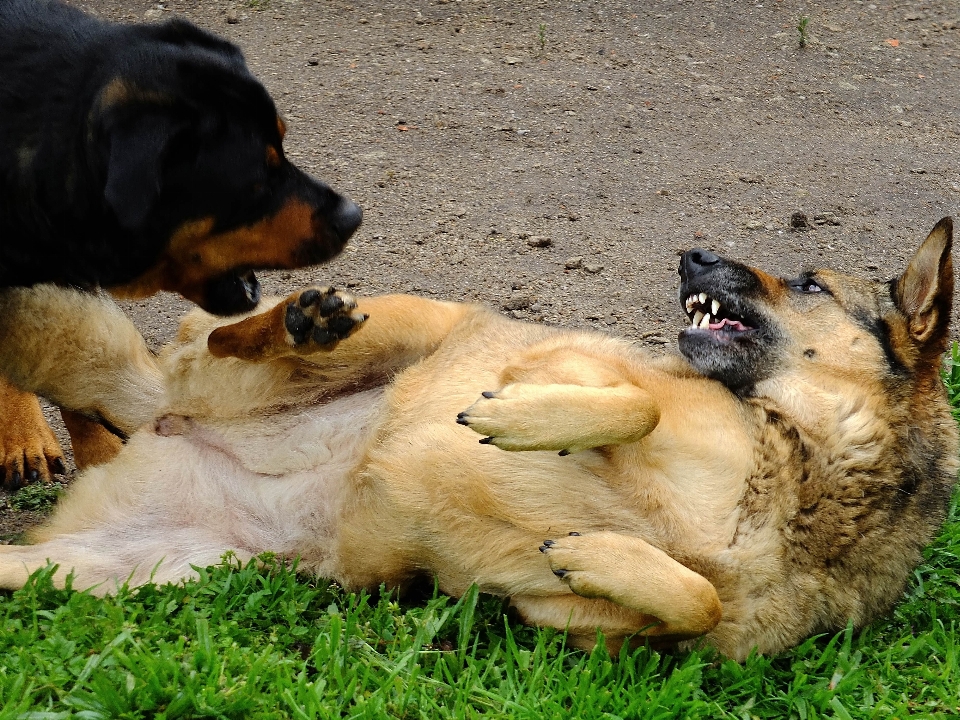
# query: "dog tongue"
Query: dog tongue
734,325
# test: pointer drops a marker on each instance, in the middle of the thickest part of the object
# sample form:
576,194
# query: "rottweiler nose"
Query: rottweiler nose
696,262
346,219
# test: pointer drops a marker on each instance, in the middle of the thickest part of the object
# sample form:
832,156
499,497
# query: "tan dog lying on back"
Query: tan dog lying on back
779,481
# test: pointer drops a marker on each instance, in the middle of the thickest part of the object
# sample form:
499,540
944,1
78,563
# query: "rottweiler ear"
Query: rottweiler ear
133,168
924,293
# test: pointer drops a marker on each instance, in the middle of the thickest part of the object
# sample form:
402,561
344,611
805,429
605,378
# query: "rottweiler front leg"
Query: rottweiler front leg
28,448
306,322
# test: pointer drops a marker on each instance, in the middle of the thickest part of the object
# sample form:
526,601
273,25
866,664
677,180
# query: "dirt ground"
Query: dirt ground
552,158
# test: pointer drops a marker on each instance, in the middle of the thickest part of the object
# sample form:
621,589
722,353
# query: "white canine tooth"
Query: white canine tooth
714,307
697,317
705,323
703,297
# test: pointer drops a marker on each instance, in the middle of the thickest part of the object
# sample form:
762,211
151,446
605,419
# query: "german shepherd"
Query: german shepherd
140,158
777,481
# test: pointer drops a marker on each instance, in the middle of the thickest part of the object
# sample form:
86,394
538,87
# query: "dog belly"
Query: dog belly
168,501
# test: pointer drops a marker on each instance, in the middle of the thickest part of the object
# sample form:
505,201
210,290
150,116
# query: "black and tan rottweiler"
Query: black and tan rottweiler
141,158
778,480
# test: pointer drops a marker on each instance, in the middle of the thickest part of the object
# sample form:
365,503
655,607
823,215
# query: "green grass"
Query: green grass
39,497
259,642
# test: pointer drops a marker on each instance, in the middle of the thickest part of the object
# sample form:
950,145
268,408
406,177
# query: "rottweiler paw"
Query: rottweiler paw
29,450
320,317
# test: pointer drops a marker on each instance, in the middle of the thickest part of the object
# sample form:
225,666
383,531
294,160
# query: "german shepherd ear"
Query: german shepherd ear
924,293
133,168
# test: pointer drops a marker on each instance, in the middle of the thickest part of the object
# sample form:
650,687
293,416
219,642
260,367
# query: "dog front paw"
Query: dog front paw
320,317
521,416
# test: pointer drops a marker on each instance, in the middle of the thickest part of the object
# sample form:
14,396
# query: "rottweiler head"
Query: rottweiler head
190,149
820,328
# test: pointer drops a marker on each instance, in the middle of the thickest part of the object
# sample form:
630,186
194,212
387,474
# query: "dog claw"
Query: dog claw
486,440
573,534
489,394
563,453
58,467
462,420
560,573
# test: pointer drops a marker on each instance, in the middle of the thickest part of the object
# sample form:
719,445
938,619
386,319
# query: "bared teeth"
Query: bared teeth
703,298
714,308
704,324
697,317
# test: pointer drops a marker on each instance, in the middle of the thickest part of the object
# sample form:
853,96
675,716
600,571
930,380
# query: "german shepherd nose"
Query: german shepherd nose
696,262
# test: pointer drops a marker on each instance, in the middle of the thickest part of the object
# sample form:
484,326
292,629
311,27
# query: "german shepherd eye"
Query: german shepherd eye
806,285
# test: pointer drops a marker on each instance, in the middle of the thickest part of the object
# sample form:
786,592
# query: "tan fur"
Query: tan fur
754,520
25,438
92,443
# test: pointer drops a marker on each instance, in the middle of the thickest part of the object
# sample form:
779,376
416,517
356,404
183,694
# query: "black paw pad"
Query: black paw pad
560,573
340,325
330,304
298,323
309,297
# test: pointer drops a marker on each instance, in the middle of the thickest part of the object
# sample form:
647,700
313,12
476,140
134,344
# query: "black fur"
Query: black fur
91,190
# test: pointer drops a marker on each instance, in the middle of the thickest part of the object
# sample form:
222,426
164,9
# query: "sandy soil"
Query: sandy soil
552,158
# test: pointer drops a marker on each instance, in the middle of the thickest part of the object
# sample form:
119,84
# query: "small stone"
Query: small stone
536,307
663,191
233,17
457,258
520,301
753,224
539,241
593,268
799,221
573,217
512,60
825,219
312,62
918,171
573,263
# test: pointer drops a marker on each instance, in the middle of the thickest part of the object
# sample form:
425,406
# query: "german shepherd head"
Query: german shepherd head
857,449
748,327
